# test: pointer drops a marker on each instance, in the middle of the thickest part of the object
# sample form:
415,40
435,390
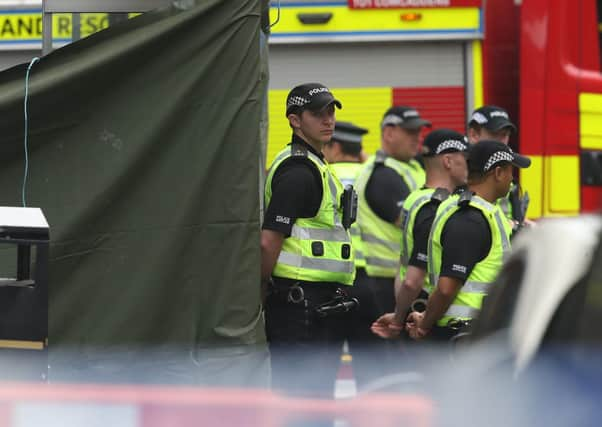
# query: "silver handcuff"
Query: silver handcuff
296,294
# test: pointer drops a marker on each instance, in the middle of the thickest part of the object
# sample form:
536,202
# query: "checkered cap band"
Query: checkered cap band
479,118
451,143
296,101
498,156
391,119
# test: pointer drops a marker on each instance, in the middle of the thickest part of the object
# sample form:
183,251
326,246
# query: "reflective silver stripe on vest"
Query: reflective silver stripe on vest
503,234
499,221
282,156
405,256
359,254
354,231
455,310
504,204
409,179
333,235
369,238
475,287
333,188
381,262
435,277
330,265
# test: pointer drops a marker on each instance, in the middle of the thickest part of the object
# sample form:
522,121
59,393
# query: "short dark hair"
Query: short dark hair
350,148
479,175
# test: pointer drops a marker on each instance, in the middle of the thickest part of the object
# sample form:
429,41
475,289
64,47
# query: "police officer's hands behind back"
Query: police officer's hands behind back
386,326
413,326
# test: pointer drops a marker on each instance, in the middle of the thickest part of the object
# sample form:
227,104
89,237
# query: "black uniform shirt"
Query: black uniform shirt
421,231
465,241
296,192
385,193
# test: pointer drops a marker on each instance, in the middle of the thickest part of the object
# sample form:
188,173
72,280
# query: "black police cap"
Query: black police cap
310,96
486,155
347,132
443,141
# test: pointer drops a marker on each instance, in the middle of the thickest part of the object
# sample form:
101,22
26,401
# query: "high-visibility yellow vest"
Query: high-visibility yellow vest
347,172
505,204
381,239
467,303
319,248
511,202
412,205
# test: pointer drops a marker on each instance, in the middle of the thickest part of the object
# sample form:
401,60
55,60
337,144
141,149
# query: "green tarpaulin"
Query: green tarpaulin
144,142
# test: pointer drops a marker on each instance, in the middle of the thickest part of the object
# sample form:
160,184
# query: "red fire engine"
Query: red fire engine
539,59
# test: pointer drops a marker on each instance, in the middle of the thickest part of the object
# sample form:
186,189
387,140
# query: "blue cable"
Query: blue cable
33,61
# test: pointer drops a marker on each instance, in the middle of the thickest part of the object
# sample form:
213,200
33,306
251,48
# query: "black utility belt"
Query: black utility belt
457,325
324,299
299,290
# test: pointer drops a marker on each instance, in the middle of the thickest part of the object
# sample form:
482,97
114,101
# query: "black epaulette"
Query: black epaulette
298,150
465,197
440,195
461,189
381,156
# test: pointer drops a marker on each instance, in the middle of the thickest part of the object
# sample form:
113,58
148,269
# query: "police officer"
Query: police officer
490,122
386,179
343,153
445,163
493,123
344,150
469,240
306,251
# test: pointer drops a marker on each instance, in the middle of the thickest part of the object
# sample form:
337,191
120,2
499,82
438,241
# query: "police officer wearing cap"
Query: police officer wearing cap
385,181
493,123
343,152
307,257
446,170
468,242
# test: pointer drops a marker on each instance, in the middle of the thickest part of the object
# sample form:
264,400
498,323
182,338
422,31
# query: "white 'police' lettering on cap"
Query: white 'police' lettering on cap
499,114
317,90
479,118
498,156
411,113
450,143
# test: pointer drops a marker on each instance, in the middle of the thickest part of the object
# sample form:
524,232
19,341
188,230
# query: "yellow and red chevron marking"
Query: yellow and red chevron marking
444,106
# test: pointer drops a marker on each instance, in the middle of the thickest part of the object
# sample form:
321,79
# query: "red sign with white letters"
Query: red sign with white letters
411,4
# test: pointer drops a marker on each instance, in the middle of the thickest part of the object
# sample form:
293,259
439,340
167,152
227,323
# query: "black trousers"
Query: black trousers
305,348
372,356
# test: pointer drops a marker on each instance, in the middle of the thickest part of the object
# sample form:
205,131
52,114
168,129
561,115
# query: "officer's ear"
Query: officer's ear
387,133
501,172
473,135
447,161
294,120
498,172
